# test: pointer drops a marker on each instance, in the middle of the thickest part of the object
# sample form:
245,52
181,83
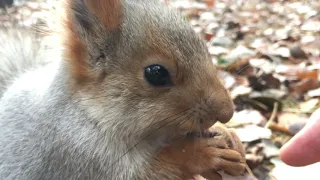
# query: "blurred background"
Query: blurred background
268,53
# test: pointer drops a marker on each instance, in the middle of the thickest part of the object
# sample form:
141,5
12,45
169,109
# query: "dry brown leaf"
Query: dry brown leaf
210,3
303,86
303,74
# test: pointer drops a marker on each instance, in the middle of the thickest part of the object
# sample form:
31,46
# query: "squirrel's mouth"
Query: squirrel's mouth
201,134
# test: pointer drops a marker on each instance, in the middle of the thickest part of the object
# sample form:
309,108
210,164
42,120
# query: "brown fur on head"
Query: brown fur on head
109,44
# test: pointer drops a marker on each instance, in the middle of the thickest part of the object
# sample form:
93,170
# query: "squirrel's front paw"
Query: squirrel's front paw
206,153
216,149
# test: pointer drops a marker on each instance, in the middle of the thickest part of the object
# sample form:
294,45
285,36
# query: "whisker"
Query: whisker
194,145
91,98
182,137
242,69
145,137
158,122
206,101
179,125
187,119
191,127
194,139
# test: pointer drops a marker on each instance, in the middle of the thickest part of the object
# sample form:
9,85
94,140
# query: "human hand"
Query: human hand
304,148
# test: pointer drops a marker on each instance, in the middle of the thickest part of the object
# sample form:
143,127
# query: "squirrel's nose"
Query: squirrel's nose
226,113
221,105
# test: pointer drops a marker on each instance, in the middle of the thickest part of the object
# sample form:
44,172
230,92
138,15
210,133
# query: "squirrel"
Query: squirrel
133,95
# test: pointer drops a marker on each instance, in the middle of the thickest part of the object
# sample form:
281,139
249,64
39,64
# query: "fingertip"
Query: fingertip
288,156
303,149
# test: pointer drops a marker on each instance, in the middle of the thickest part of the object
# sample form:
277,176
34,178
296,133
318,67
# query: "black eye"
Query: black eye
157,75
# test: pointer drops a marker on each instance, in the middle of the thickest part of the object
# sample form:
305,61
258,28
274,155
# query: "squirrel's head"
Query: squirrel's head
141,67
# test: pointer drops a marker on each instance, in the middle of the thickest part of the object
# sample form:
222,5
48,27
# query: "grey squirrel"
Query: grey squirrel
133,95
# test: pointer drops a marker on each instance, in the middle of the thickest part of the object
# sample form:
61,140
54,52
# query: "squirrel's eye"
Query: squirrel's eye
157,76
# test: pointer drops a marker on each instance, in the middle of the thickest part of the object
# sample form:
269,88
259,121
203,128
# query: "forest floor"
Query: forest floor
268,53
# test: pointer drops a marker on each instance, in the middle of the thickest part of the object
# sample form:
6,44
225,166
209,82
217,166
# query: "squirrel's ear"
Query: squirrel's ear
91,13
89,27
107,11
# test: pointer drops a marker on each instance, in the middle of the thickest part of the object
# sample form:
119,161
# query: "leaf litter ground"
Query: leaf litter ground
268,54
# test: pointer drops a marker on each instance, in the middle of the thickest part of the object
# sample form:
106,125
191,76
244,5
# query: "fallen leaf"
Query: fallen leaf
221,41
312,45
305,73
248,117
314,93
271,93
228,80
232,25
282,51
303,86
298,53
239,66
206,16
309,105
269,149
254,160
251,133
240,52
291,121
265,103
264,81
208,36
240,90
218,50
263,64
210,3
311,25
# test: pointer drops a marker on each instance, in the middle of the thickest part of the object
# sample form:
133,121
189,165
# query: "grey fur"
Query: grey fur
50,130
22,50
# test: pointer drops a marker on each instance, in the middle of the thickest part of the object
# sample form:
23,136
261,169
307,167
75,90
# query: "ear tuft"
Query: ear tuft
107,11
87,27
74,51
